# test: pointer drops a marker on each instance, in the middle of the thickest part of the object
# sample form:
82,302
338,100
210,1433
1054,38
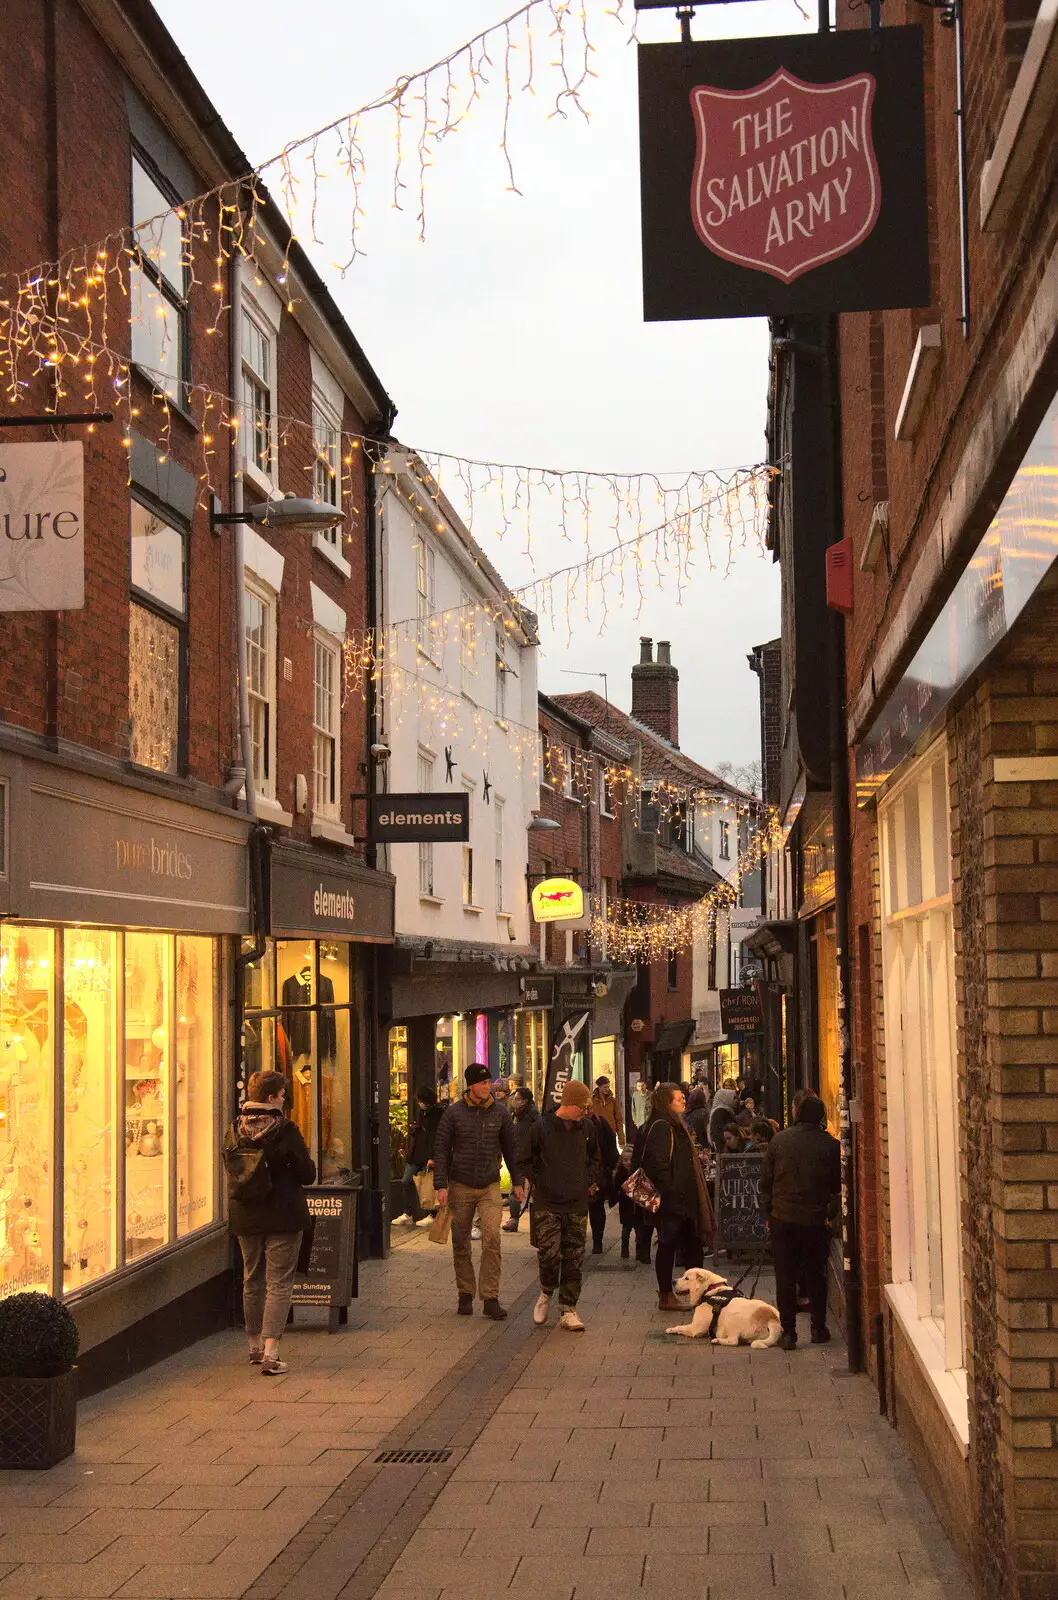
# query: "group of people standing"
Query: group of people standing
574,1157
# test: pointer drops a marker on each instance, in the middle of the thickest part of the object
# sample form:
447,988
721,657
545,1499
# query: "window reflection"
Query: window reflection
90,971
27,970
148,1054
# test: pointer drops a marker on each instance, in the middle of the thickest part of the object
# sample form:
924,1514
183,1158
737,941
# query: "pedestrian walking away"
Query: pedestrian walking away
626,1207
644,1220
697,1116
801,1192
267,1165
609,1151
566,1175
684,1218
522,1107
421,1138
604,1105
474,1132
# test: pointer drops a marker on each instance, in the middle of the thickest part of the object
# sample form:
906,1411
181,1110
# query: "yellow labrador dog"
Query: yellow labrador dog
754,1321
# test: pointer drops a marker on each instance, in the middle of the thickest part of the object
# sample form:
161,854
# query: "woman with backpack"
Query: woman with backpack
267,1165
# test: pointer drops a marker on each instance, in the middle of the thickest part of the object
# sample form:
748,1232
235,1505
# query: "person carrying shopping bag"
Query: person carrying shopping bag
684,1218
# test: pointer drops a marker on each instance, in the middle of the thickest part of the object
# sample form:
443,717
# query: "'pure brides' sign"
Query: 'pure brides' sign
41,527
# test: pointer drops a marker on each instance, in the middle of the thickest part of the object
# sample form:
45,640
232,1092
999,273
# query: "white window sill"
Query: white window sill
1024,128
330,553
330,829
270,810
430,900
948,1384
474,911
256,479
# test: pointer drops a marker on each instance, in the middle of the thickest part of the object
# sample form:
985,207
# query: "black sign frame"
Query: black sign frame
683,278
741,1011
739,1225
538,993
332,1278
382,809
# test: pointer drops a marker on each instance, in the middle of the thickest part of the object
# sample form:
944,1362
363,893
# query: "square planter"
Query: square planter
38,1420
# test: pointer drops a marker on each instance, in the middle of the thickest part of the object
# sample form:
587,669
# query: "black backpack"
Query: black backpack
246,1169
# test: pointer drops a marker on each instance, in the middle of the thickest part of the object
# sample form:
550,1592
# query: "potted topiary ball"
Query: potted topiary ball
38,1381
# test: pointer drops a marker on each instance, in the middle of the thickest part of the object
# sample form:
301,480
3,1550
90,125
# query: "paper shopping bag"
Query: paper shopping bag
424,1186
440,1230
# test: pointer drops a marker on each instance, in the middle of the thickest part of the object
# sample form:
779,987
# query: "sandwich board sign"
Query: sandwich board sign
740,1221
784,174
331,1275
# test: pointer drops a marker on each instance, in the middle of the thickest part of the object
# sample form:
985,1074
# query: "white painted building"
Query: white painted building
723,830
457,710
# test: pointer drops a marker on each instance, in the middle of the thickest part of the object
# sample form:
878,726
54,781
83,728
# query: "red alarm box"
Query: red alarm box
839,576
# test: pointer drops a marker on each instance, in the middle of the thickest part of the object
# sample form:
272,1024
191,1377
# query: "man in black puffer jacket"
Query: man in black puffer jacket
466,1161
801,1192
267,1164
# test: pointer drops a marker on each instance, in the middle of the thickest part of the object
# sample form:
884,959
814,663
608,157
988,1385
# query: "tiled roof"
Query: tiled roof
659,759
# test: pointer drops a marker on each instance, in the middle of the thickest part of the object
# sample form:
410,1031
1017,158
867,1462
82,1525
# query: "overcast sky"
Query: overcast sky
515,333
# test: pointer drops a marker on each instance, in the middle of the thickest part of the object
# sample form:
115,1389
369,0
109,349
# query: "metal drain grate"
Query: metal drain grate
411,1458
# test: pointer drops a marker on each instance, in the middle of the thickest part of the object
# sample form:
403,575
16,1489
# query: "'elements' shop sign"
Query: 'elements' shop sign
419,818
783,175
41,527
309,895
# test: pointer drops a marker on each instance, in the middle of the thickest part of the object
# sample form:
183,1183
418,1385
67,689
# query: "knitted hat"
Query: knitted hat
576,1094
476,1073
811,1110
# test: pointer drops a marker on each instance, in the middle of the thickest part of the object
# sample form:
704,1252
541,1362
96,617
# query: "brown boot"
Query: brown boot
669,1302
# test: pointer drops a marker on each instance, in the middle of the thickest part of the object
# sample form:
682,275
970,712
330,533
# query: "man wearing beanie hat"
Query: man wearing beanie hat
566,1172
801,1192
471,1136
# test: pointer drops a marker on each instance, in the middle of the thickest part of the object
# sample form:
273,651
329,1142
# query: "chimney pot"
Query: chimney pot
646,650
664,653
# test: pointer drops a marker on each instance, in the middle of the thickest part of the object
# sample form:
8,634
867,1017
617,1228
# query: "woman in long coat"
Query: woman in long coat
684,1220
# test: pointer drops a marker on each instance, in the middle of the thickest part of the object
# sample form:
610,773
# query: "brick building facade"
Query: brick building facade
949,447
127,823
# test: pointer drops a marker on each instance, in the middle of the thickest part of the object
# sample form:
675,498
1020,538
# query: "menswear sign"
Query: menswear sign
783,175
41,527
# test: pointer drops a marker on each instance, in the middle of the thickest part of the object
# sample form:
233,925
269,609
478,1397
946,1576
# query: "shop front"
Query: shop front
308,1006
115,952
817,952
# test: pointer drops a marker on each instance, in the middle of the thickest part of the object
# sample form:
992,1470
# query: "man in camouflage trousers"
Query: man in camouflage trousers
566,1172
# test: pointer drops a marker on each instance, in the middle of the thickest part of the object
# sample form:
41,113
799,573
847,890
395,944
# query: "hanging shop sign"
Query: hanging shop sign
558,900
538,993
1003,574
741,1011
419,818
330,1276
41,527
742,923
783,175
567,1053
740,1220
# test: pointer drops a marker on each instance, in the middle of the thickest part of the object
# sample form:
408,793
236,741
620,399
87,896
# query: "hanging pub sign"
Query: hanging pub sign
783,175
41,527
741,1011
558,900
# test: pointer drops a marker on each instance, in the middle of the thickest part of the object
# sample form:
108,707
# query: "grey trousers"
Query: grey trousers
269,1261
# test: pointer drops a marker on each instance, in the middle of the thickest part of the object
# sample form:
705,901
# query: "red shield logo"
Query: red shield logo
785,177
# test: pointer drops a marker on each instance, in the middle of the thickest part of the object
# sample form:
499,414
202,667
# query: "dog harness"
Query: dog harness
718,1300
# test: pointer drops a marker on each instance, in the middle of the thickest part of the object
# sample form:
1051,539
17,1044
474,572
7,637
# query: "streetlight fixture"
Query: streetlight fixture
542,825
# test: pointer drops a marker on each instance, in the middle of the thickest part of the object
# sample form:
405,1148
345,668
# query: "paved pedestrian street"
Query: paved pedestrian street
587,1466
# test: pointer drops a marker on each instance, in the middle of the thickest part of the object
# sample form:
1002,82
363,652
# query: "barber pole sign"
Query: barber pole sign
783,175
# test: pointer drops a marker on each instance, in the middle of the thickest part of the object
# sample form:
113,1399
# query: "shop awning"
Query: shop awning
673,1035
772,939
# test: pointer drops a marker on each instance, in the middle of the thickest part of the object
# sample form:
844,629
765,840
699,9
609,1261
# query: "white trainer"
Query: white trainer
541,1309
571,1322
475,1232
404,1217
424,1222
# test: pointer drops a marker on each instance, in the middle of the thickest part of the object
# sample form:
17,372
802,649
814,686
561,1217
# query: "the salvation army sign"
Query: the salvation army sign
41,527
783,175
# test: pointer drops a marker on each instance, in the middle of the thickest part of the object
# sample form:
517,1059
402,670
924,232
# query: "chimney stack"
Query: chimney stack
655,690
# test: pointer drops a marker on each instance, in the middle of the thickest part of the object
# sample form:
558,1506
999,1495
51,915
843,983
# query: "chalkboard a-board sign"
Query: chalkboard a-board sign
331,1278
739,1212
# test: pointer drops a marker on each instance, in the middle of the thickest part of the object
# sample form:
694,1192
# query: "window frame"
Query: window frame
467,856
723,850
498,804
269,601
323,411
175,618
324,643
605,793
425,592
921,1049
253,313
140,260
425,763
567,772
